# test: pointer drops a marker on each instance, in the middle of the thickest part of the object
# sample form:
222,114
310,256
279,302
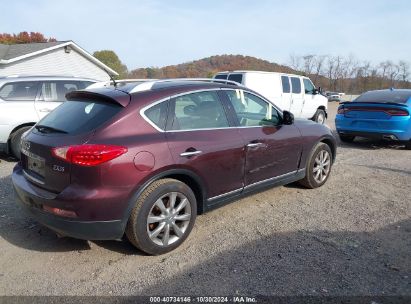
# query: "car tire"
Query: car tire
318,167
15,141
408,145
156,224
346,138
320,116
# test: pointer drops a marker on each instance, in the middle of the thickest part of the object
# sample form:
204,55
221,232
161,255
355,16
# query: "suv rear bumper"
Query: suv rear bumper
33,203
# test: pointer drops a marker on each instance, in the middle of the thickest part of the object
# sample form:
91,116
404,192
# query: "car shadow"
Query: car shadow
316,263
7,158
370,144
19,229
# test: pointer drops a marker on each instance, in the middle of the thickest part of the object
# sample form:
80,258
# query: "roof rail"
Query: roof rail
145,86
108,83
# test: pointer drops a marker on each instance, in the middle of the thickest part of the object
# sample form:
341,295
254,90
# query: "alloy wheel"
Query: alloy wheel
169,218
322,166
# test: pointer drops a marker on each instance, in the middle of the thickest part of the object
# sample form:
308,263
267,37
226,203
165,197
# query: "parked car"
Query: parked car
334,97
146,159
24,100
381,114
293,93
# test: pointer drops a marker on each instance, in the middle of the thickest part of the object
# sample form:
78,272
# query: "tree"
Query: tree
111,59
24,37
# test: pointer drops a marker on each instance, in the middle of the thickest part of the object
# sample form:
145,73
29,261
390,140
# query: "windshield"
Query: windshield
76,117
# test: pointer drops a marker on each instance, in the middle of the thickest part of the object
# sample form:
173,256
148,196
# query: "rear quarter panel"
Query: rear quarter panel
312,133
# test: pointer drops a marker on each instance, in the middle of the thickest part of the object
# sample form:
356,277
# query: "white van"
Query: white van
293,93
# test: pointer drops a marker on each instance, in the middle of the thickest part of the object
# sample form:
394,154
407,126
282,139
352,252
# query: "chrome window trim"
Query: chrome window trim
142,110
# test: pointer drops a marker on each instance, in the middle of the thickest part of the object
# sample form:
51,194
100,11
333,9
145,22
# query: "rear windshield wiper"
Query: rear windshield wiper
48,129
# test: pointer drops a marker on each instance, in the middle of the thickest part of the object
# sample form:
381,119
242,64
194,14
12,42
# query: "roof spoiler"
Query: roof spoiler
108,95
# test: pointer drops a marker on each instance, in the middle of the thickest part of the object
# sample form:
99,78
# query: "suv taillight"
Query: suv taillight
342,110
88,155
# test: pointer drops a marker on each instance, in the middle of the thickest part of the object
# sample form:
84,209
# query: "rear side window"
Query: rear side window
296,85
77,117
158,114
396,96
202,110
19,91
236,77
285,81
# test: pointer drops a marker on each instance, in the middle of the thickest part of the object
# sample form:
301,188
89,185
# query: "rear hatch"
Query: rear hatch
72,123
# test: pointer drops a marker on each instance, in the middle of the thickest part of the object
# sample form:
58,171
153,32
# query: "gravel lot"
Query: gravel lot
350,237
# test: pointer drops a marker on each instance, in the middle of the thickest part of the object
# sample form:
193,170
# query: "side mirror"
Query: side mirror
315,92
288,118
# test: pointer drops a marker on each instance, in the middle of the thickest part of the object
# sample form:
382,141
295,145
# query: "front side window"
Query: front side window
252,110
296,85
202,110
285,81
308,86
19,91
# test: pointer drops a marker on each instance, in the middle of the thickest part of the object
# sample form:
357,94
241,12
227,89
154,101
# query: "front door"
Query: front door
272,149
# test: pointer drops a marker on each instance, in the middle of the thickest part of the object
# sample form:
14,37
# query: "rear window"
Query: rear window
396,96
221,76
236,77
76,117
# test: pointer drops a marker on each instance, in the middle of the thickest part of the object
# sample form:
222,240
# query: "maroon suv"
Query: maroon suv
145,158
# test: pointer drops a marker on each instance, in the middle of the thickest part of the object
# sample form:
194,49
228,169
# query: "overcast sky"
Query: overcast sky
157,33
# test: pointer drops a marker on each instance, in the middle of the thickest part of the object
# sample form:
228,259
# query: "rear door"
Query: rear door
53,93
272,149
201,139
297,97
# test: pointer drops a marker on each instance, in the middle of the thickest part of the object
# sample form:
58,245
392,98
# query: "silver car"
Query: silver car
24,100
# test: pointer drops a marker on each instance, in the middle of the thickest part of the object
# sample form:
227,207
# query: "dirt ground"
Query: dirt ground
350,237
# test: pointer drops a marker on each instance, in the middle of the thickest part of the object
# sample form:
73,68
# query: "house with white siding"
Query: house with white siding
60,58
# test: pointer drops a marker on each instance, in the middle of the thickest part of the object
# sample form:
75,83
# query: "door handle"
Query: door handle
190,153
252,145
45,110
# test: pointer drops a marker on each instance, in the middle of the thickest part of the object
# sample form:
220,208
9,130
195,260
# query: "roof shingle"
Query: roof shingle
10,51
